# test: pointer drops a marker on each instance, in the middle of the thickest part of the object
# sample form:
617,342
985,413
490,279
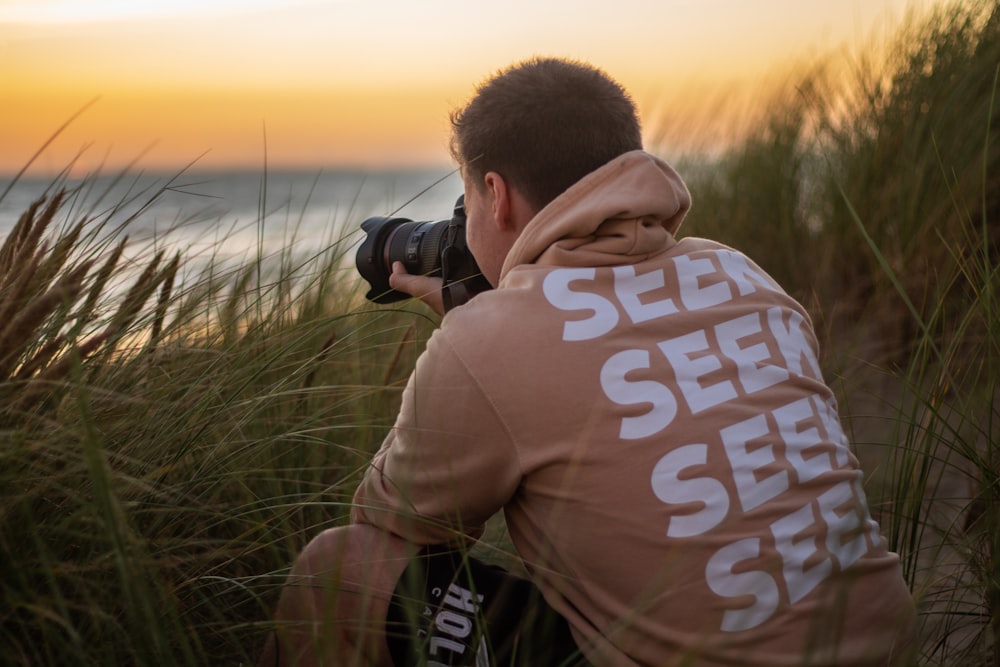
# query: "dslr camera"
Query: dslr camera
425,248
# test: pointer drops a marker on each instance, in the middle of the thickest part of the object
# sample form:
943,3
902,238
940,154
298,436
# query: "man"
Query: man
648,413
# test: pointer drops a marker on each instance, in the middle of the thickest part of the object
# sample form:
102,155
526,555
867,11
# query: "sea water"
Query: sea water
235,214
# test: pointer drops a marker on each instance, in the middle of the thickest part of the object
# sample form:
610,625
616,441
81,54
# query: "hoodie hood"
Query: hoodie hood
621,213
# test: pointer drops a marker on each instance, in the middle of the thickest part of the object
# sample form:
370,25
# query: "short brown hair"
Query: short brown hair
543,124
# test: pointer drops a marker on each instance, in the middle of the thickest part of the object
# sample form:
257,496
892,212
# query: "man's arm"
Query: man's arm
448,465
425,288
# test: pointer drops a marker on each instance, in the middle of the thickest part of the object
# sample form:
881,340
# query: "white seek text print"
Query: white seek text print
768,454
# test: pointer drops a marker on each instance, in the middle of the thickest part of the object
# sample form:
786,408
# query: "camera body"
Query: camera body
425,248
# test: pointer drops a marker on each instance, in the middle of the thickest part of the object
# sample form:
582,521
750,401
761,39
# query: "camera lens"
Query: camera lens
416,244
424,248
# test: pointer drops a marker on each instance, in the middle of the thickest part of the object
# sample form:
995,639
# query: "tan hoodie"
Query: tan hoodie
650,416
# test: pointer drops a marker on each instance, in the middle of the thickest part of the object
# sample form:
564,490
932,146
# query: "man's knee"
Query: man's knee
338,592
353,556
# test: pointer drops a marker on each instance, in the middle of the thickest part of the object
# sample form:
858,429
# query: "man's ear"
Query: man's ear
499,194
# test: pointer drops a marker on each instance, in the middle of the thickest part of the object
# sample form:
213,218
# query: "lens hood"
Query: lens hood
372,262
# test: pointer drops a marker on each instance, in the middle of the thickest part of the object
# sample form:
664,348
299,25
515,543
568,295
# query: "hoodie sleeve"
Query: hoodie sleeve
447,465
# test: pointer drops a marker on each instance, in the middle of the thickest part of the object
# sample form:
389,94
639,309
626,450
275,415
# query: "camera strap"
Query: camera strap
448,256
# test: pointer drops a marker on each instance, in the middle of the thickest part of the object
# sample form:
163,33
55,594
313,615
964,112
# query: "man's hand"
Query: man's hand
425,288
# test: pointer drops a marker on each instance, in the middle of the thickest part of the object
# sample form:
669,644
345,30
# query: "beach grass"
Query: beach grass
873,195
168,443
173,429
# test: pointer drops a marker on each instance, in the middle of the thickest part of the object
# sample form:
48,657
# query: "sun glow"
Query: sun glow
312,82
74,11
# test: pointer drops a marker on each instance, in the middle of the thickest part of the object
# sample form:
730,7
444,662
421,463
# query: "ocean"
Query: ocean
236,214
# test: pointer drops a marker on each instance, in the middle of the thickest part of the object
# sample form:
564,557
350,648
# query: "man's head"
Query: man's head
542,125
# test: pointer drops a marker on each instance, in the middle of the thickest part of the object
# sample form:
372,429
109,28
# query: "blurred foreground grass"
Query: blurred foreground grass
172,434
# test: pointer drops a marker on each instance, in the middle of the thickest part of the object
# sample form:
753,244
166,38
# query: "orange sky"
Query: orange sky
362,82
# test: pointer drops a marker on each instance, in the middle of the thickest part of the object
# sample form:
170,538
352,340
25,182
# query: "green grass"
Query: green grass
873,196
167,447
173,431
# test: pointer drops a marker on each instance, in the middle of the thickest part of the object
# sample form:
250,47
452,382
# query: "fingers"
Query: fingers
425,288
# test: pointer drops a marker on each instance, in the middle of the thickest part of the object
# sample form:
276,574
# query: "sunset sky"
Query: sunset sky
365,83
